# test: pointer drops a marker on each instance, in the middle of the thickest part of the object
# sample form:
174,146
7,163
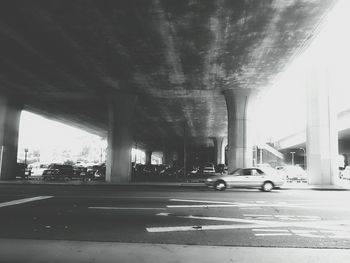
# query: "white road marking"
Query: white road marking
229,204
303,233
336,234
202,201
25,200
240,205
237,220
199,206
338,228
340,225
270,230
274,234
307,233
259,204
256,215
125,208
316,228
196,228
163,214
283,217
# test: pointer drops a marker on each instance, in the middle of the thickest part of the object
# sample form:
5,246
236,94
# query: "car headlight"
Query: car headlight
209,180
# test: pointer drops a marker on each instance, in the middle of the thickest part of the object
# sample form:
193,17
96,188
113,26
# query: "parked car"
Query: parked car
58,171
208,169
22,171
171,172
79,172
37,169
246,178
345,174
91,170
100,173
294,173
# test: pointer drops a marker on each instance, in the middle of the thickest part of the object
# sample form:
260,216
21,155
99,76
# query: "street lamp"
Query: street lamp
304,157
25,155
292,153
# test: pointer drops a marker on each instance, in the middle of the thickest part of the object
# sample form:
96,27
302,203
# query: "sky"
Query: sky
48,136
280,112
282,108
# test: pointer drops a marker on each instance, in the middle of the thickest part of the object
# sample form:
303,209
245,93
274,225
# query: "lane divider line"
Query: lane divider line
271,230
125,208
24,200
274,234
199,228
202,201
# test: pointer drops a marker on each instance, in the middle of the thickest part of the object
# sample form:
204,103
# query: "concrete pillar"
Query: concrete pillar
10,112
148,156
240,142
168,157
120,139
321,132
219,149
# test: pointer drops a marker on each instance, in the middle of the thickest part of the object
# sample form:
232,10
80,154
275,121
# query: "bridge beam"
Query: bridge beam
240,138
10,112
120,139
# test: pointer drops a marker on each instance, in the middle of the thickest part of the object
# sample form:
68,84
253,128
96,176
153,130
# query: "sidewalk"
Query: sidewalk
21,250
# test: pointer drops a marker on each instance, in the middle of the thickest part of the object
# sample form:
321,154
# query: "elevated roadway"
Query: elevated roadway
147,71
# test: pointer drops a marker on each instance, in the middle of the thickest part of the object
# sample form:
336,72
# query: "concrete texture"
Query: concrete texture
240,141
66,57
118,165
219,148
321,132
10,112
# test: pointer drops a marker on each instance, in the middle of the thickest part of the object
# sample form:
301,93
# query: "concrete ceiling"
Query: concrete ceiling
64,57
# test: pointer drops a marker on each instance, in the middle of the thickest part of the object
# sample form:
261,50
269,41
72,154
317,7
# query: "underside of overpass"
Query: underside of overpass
69,60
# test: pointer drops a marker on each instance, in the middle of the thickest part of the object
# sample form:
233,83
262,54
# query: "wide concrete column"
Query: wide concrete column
168,157
120,139
219,149
148,156
10,112
321,132
240,141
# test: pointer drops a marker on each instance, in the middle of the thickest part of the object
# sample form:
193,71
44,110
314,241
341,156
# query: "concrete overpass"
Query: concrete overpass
147,71
297,140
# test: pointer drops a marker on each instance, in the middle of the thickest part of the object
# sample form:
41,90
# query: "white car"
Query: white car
345,174
253,177
37,169
294,173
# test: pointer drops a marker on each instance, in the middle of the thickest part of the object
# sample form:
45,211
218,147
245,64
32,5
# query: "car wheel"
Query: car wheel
220,185
267,186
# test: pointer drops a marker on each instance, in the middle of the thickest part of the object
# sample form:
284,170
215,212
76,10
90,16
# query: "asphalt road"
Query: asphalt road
176,215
